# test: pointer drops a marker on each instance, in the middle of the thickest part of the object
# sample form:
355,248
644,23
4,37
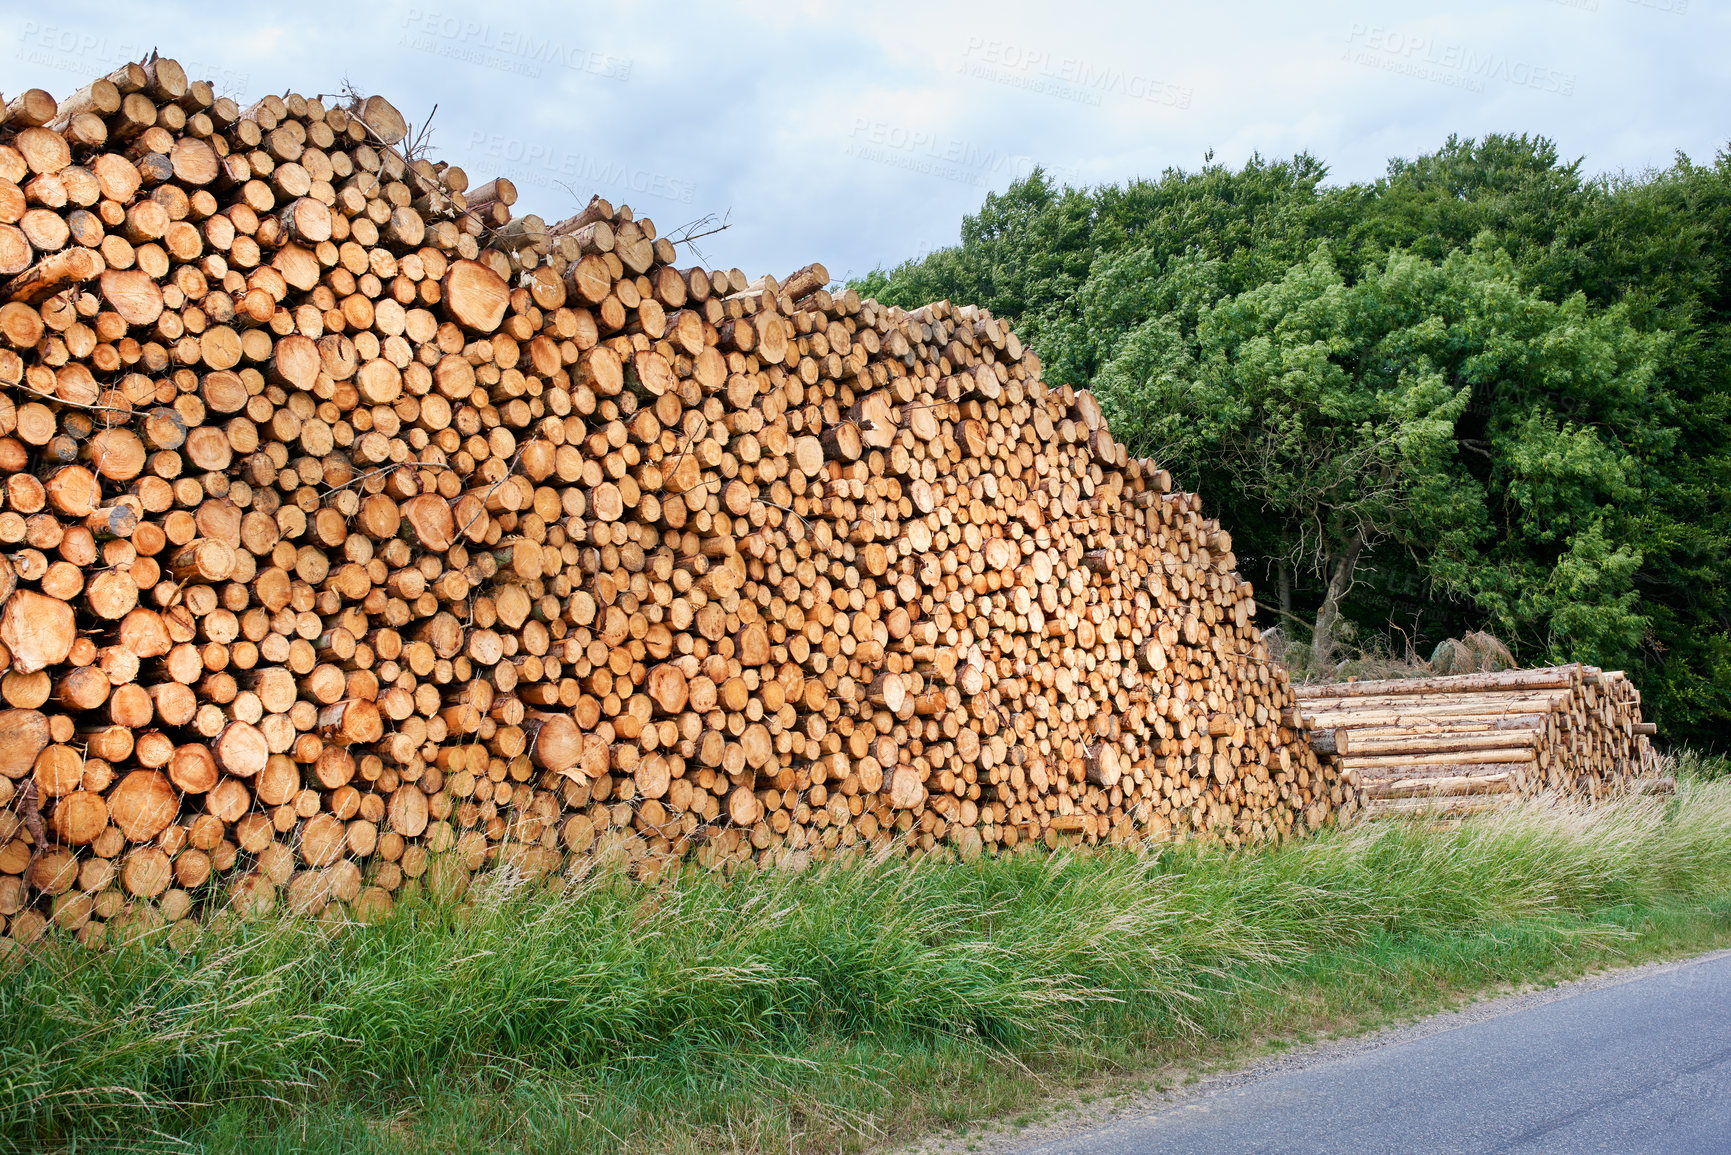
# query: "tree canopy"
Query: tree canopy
1484,391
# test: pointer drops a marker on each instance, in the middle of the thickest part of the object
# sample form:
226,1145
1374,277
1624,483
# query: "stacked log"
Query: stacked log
360,534
1455,743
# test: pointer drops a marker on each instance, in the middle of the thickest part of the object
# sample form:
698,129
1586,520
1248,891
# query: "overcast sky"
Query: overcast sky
859,134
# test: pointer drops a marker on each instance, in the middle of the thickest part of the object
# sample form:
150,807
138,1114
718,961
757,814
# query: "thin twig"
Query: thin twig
689,437
510,469
690,234
74,404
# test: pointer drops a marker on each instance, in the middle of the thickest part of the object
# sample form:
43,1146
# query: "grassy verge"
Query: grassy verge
829,1010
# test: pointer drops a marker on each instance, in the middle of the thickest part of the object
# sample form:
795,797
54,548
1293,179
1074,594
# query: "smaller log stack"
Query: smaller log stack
1454,743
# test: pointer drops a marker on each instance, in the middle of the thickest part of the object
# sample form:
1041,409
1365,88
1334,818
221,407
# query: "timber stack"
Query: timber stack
359,534
1455,743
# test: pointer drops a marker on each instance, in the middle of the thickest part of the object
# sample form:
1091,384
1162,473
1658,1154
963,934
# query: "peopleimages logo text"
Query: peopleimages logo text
81,51
1066,77
1426,57
541,164
944,156
475,39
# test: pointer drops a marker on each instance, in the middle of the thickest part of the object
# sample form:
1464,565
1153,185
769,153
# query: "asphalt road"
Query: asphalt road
1642,1066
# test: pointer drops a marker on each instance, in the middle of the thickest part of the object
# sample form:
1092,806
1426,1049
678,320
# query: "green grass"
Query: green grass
834,1009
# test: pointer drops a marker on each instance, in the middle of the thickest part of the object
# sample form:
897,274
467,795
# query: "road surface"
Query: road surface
1638,1066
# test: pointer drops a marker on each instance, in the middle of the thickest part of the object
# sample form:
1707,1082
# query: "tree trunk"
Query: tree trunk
1322,643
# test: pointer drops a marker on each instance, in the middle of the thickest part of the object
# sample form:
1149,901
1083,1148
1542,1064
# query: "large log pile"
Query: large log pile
1465,739
359,534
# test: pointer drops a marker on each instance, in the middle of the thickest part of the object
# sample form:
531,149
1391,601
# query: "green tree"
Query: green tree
1421,409
1287,395
1588,321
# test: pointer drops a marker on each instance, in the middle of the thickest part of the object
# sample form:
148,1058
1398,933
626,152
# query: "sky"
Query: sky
860,134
